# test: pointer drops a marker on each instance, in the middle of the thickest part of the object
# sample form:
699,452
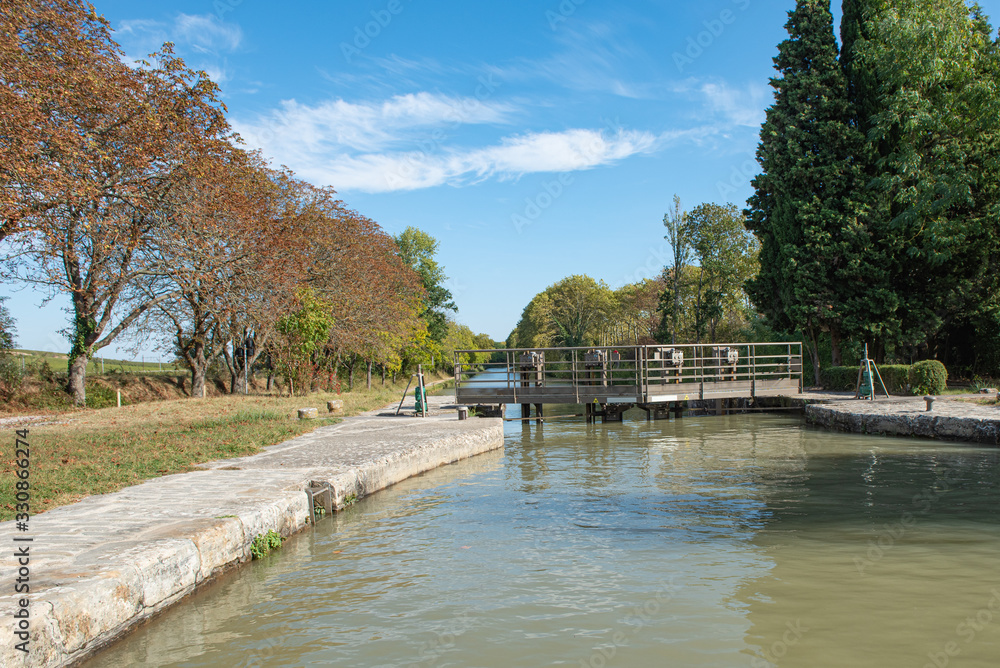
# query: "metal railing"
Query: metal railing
648,374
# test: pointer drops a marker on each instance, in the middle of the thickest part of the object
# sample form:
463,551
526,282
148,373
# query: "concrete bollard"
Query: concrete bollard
336,406
463,412
308,413
930,402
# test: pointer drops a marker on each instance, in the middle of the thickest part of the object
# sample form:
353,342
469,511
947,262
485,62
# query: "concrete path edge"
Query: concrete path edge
101,595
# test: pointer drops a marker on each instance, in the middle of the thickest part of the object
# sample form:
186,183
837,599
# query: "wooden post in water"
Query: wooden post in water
531,369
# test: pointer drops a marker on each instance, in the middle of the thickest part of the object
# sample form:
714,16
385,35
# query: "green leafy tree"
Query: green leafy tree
680,248
417,249
937,133
727,258
814,267
7,329
302,334
571,312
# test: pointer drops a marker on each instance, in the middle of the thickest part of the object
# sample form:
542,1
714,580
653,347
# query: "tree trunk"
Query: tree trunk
78,379
199,369
198,382
814,354
836,358
383,375
369,374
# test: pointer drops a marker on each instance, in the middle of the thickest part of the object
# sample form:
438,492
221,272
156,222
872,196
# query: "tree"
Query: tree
57,62
568,313
461,337
221,249
632,318
727,259
88,233
938,137
302,333
676,224
417,249
7,328
815,259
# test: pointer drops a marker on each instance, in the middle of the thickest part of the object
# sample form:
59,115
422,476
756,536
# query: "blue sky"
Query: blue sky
534,140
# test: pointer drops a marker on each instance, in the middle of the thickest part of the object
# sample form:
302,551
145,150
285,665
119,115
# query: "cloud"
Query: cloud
336,143
593,56
205,35
207,32
370,126
741,107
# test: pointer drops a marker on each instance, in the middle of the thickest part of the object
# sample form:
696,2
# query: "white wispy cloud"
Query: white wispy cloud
593,56
406,143
208,32
743,107
205,34
369,126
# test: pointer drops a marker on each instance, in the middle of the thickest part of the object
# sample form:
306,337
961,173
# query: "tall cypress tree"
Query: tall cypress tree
803,210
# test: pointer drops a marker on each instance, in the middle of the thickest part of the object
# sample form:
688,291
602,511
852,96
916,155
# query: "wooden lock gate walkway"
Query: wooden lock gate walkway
608,380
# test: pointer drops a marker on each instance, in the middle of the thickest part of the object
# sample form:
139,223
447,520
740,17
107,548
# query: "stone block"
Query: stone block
335,407
308,413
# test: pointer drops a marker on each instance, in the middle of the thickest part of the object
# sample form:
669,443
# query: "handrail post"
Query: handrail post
576,382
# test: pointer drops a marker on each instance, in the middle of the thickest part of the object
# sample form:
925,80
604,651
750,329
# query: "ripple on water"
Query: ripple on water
705,542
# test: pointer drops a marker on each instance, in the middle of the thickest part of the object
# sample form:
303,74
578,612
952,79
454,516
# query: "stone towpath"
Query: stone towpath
99,566
952,418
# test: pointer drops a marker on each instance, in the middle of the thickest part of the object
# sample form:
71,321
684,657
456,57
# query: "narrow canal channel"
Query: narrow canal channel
710,541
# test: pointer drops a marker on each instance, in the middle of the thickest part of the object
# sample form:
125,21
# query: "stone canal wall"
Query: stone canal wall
105,564
949,419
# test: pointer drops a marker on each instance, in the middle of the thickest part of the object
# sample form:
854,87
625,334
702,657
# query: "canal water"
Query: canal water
709,541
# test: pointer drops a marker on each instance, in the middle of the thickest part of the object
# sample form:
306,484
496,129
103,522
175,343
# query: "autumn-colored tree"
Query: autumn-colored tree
354,266
103,158
58,63
220,250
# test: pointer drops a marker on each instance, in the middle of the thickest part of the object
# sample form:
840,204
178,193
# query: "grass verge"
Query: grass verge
105,450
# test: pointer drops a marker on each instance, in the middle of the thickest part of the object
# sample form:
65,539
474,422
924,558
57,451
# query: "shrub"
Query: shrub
845,378
839,378
896,378
11,377
102,396
928,377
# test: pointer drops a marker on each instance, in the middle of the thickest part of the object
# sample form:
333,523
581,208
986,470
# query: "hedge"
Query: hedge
845,378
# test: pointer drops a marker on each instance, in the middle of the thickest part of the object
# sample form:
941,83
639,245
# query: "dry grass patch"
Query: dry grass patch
102,451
